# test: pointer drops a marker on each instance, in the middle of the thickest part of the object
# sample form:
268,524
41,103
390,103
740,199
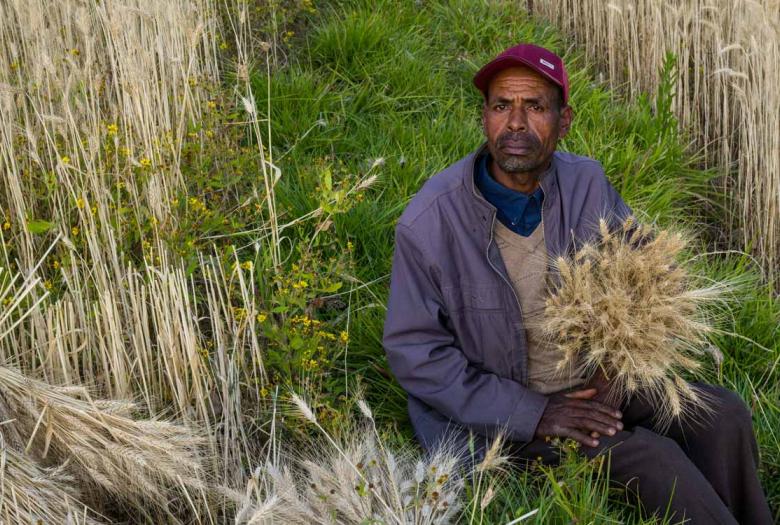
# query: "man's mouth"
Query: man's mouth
517,145
516,149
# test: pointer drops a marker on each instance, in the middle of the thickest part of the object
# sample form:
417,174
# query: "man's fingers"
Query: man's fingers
592,425
591,405
580,437
588,393
605,420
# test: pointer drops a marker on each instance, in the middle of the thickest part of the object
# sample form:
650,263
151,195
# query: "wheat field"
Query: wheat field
728,60
96,100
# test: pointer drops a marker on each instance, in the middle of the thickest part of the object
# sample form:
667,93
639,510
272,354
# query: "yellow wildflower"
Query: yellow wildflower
7,225
75,231
145,163
261,317
56,265
300,284
344,337
112,129
80,203
246,265
350,246
47,284
65,159
211,104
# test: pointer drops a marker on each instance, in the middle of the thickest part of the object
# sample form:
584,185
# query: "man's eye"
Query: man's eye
499,107
536,107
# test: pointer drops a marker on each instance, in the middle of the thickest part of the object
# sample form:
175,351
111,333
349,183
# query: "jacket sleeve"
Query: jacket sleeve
423,355
620,211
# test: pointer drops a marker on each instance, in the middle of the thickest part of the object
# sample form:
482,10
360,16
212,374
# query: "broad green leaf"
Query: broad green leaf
38,226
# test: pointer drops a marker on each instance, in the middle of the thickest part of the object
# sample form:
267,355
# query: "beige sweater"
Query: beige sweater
525,259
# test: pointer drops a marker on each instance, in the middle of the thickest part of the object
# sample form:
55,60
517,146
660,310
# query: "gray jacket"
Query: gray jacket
454,332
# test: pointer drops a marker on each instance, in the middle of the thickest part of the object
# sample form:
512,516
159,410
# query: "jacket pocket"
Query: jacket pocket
480,321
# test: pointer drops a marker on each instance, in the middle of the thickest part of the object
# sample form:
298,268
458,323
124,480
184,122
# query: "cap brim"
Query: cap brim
489,70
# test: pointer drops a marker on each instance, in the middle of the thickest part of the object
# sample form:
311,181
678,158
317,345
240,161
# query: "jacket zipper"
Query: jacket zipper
514,294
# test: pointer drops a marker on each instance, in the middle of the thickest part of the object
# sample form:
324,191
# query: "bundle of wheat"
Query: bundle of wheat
136,461
626,306
31,494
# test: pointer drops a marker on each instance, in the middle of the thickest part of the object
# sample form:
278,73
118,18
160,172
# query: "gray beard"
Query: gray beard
513,164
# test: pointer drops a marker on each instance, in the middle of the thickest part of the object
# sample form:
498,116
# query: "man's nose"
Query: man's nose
518,119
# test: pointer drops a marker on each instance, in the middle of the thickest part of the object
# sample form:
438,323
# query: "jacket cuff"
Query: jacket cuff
526,416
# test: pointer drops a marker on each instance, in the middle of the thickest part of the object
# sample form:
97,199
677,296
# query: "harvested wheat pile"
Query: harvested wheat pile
31,494
361,479
99,444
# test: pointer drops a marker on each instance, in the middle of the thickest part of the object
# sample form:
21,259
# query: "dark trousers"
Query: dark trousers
703,469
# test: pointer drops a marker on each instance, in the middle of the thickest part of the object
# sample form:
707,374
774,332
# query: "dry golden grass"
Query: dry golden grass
728,52
627,306
74,76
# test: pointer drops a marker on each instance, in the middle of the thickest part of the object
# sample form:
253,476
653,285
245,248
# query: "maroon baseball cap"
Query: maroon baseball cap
541,60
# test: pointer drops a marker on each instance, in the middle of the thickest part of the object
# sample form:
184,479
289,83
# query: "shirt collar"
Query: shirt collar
517,210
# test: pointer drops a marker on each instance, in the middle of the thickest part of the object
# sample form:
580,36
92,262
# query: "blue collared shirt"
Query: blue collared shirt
516,210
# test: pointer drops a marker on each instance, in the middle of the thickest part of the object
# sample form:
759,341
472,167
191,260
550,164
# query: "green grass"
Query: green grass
391,80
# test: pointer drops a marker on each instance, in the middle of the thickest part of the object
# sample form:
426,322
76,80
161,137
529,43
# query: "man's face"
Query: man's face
522,120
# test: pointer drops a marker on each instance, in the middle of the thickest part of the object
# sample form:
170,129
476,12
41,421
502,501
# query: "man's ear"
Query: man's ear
567,115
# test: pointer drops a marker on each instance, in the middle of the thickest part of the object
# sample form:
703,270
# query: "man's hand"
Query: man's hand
604,393
578,416
603,385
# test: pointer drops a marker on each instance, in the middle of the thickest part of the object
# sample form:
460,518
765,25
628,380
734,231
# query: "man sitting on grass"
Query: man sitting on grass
468,279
